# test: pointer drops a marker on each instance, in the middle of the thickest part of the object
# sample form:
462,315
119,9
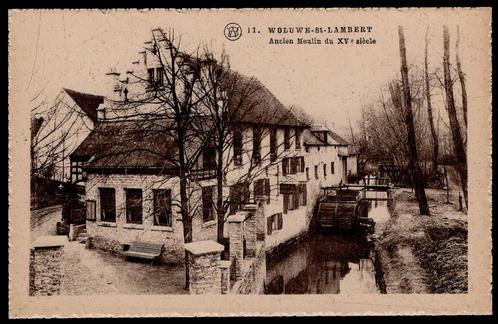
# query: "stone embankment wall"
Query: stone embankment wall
45,275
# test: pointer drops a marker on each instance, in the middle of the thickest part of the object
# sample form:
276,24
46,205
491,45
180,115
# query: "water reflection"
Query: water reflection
323,264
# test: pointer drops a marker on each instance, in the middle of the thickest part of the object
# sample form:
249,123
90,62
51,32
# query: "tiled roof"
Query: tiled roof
140,144
252,102
87,102
338,139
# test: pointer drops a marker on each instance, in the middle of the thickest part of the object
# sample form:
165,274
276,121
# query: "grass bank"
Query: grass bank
423,254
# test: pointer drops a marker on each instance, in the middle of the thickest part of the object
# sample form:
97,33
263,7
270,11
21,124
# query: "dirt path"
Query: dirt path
93,272
43,221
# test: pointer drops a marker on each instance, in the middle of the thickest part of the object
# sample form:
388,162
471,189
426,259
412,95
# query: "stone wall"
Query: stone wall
45,274
253,274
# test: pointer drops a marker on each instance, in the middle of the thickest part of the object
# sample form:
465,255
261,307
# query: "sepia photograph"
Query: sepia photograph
340,155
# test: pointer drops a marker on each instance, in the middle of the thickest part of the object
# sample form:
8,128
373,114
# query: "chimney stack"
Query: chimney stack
115,84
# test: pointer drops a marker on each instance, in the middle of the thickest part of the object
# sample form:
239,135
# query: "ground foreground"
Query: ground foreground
94,272
424,254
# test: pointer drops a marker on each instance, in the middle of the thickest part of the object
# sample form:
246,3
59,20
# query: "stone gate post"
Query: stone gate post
204,267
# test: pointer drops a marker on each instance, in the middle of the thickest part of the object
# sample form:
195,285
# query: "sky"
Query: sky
75,48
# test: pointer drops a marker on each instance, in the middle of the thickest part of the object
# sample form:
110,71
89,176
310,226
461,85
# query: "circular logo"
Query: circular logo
233,31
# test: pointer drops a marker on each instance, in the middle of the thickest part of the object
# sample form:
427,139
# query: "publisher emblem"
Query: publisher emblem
233,31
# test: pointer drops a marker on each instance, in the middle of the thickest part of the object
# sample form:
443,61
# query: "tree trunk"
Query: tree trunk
454,125
412,145
461,77
435,142
187,222
220,210
186,219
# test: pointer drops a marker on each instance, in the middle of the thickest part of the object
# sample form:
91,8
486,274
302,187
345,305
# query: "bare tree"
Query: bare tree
53,128
461,77
418,181
232,100
435,141
455,127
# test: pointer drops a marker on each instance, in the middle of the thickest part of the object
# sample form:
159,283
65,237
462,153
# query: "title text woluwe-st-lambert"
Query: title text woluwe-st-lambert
319,29
312,35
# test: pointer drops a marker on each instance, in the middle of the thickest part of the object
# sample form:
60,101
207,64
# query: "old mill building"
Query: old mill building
132,187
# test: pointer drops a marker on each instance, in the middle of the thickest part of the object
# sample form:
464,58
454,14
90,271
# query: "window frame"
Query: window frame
129,218
102,212
168,208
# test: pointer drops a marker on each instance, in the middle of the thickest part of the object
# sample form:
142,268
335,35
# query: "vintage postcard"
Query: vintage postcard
319,161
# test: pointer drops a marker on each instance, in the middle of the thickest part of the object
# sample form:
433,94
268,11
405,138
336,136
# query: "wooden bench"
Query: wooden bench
144,250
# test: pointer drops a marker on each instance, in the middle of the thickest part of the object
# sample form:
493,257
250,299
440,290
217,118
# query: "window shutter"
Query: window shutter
302,164
280,221
257,188
286,202
285,163
267,189
269,225
305,195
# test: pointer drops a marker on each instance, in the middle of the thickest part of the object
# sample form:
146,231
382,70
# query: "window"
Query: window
287,143
150,73
294,196
162,207
294,163
207,204
262,188
209,158
332,168
237,146
316,171
107,204
256,144
239,195
134,206
285,166
90,210
159,77
302,194
324,170
274,223
307,173
298,138
290,202
273,144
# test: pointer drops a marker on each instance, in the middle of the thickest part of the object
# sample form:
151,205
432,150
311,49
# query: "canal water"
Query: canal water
326,263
